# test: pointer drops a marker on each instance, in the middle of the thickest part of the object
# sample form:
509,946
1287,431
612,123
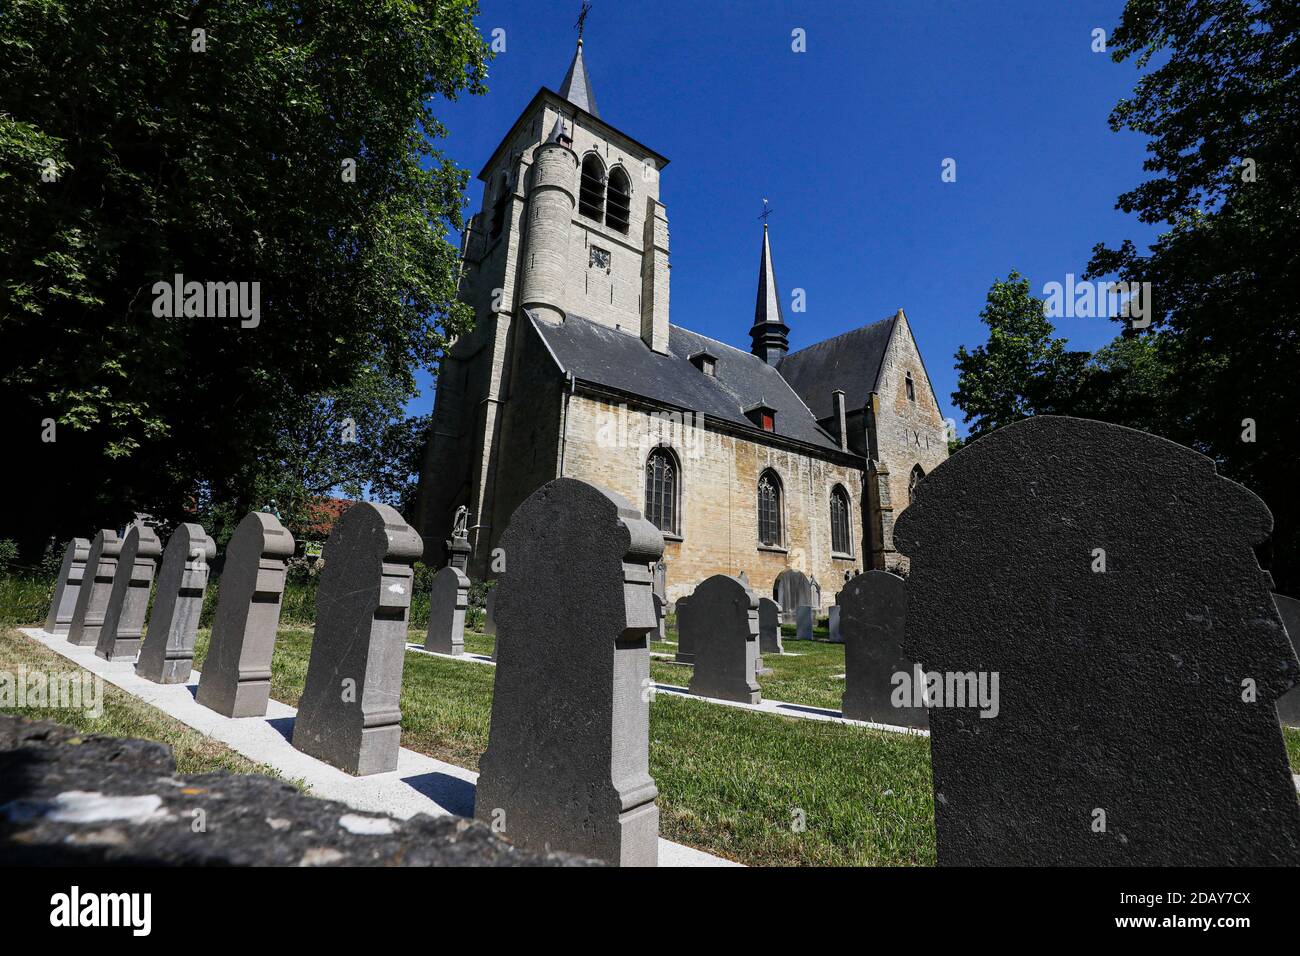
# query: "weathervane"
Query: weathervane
582,17
765,213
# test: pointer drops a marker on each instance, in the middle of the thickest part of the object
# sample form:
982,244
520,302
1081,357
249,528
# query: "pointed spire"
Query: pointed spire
769,333
576,87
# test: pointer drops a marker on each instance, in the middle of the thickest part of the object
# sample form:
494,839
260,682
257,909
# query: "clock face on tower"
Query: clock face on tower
598,258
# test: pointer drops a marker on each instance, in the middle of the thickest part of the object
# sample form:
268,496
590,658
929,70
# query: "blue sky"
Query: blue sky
847,141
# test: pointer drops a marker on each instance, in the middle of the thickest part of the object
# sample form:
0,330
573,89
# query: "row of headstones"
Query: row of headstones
348,714
1135,724
723,631
567,764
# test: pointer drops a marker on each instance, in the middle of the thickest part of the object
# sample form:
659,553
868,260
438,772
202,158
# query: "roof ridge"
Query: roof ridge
707,338
833,338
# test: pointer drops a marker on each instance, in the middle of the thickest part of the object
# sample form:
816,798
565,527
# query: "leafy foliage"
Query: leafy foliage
1222,113
1022,370
225,165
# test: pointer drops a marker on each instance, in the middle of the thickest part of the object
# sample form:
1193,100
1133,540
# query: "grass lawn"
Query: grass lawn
756,788
124,715
811,677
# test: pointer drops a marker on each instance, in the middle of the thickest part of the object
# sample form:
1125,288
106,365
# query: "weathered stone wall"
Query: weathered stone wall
467,415
910,432
717,489
528,450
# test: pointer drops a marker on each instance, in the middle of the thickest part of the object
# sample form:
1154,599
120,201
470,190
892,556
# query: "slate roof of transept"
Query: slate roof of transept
849,362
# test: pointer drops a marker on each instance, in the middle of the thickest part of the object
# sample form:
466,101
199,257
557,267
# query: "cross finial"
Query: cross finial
765,213
582,18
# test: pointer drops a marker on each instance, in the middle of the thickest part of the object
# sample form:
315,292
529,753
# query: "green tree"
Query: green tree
216,140
1022,370
355,443
1222,117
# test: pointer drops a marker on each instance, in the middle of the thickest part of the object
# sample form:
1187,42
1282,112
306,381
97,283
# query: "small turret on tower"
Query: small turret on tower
551,200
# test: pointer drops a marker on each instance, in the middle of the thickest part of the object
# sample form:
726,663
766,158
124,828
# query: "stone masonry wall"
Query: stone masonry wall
909,433
718,496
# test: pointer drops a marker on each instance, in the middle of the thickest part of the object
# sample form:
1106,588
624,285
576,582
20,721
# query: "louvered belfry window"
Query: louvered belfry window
618,203
591,191
661,491
839,521
769,509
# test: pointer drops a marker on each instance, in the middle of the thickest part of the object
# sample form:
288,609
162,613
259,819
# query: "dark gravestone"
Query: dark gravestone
167,655
805,620
1288,705
791,590
1135,720
96,586
726,648
448,599
236,678
350,714
119,638
769,627
688,627
567,762
833,623
879,679
661,617
68,586
489,620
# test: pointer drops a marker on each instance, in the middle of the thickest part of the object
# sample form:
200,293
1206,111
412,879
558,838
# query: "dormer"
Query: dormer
706,362
762,415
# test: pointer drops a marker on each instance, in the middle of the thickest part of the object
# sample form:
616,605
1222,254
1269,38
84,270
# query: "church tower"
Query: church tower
571,220
570,224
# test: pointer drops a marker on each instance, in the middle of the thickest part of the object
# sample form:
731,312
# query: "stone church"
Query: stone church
753,460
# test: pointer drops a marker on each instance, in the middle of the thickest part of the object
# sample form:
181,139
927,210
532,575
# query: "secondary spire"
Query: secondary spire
769,334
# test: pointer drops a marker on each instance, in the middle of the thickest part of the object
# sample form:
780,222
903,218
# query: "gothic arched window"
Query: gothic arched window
840,521
769,509
917,475
591,191
911,388
661,490
618,203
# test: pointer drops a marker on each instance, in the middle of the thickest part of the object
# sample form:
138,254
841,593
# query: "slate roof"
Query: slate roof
576,87
620,360
768,306
849,362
